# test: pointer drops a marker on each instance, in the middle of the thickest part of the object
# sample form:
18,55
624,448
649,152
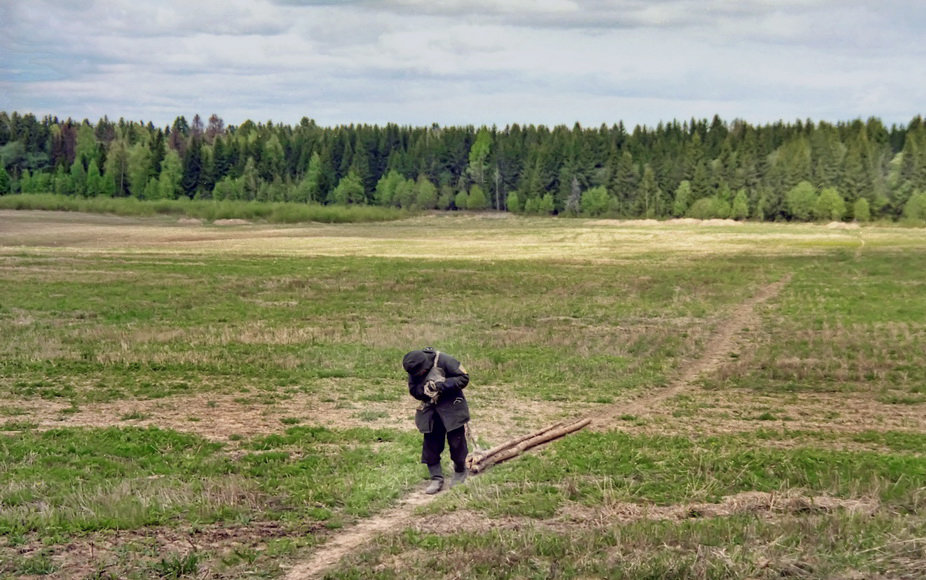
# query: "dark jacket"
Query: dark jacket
451,405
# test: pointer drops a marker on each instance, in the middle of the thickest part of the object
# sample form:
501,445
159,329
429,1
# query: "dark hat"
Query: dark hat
415,362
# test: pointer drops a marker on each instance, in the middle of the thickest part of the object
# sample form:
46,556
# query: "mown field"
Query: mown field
216,400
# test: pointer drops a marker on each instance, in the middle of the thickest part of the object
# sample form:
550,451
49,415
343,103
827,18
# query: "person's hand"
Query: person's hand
432,391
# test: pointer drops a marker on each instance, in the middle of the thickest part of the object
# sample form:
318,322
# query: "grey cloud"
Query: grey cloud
457,61
584,14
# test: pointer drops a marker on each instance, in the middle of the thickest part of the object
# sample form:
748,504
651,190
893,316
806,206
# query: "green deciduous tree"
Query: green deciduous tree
709,208
271,159
227,188
78,180
740,208
26,182
386,188
61,182
42,183
478,156
152,191
513,202
250,180
915,208
682,199
461,200
139,168
86,147
477,199
649,194
349,190
800,201
532,205
829,205
445,196
404,196
171,175
95,181
547,204
311,183
116,168
595,201
860,210
307,189
425,193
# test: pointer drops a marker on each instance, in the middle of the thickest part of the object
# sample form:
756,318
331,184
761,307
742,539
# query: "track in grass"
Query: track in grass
725,339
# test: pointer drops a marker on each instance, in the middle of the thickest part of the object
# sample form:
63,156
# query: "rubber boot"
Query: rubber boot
459,474
437,479
458,478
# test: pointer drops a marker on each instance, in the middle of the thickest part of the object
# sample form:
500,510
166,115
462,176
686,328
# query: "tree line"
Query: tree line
801,170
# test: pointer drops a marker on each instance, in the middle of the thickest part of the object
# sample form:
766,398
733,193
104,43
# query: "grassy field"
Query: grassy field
190,399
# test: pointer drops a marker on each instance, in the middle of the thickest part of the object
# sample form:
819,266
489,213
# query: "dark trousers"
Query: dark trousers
433,445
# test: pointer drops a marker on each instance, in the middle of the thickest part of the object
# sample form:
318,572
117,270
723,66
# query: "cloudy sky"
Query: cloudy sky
461,62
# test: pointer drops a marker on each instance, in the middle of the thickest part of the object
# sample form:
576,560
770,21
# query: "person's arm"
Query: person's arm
455,376
416,389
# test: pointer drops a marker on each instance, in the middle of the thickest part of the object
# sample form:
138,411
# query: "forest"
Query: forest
857,170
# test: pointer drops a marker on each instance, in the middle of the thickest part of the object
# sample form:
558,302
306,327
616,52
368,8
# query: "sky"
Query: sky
464,62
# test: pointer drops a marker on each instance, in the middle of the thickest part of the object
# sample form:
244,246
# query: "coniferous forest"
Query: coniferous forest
801,171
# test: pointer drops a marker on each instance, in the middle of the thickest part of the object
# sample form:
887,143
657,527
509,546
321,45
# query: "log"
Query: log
515,441
517,446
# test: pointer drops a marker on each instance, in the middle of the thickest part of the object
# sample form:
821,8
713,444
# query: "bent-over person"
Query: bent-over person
437,380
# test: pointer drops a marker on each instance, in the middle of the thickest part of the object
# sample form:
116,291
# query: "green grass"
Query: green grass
284,330
847,324
597,469
66,481
166,326
833,545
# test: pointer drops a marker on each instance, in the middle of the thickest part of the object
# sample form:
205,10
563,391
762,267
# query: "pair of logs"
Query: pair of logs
479,461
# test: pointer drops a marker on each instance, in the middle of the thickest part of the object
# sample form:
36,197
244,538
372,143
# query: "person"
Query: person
437,380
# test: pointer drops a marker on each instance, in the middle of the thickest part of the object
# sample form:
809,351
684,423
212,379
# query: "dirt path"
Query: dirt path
726,339
342,544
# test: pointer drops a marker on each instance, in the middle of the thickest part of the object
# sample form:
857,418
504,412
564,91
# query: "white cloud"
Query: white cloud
464,62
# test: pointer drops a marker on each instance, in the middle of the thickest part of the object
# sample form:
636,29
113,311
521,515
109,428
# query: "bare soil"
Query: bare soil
730,336
226,418
727,338
222,417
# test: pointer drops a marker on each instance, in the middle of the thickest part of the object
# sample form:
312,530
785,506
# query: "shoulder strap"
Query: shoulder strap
436,356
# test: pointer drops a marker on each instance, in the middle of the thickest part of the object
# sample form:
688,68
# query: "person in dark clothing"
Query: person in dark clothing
437,380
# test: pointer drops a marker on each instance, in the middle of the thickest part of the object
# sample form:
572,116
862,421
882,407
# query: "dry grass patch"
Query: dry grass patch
498,414
469,237
575,515
218,549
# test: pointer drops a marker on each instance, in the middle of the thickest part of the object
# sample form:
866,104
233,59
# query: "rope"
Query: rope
471,437
429,389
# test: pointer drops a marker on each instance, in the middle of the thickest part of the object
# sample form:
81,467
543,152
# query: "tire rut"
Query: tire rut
722,342
330,553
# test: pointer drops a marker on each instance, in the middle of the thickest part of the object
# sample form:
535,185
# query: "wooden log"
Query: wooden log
478,456
517,446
